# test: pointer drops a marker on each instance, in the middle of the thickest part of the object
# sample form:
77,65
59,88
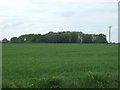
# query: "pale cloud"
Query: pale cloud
19,17
74,1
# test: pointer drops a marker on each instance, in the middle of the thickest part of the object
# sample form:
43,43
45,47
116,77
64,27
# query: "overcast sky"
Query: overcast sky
19,17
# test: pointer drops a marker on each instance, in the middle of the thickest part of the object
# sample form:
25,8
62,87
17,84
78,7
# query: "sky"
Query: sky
18,17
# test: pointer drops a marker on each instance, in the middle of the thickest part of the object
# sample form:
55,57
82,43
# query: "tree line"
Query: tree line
59,37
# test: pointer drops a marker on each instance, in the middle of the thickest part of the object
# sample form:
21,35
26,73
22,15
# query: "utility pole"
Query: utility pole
109,32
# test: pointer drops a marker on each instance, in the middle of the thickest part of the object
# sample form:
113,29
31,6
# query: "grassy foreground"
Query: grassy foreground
60,65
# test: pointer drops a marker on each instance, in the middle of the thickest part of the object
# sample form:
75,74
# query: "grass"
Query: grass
60,65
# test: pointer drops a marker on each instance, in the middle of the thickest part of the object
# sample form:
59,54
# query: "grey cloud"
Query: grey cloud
66,14
85,17
32,10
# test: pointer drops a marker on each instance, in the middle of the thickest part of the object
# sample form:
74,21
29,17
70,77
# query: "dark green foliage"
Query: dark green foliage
60,37
101,38
15,40
74,37
5,40
87,38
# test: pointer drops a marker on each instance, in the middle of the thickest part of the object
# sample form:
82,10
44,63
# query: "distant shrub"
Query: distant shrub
60,37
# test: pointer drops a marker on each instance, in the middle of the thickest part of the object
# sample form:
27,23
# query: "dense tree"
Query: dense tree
60,37
101,38
5,40
14,40
87,38
74,37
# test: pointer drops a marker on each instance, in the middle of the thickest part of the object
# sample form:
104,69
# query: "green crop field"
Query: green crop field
60,65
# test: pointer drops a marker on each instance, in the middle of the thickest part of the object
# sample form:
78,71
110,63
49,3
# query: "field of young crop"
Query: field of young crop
60,65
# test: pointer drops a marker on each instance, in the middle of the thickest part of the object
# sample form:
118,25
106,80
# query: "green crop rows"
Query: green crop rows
60,65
